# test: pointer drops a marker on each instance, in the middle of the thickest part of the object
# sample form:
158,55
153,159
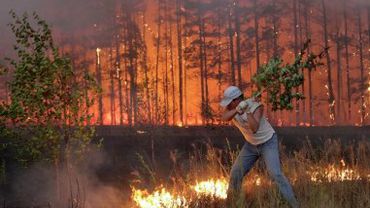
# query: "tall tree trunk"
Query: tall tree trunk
180,60
231,46
346,46
158,43
303,117
256,26
295,19
135,48
146,78
201,58
238,43
119,77
275,31
339,74
275,52
165,78
308,36
219,57
206,92
112,88
126,74
99,81
86,92
172,75
331,98
362,78
185,73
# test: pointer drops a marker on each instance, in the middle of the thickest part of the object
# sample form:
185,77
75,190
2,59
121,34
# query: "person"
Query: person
260,141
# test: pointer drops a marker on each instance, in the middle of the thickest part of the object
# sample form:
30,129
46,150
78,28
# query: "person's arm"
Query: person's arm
228,115
255,118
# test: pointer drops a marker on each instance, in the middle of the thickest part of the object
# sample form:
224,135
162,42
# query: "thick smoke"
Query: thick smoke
36,186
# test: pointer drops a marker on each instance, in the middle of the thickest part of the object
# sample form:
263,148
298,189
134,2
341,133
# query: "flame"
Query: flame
332,173
216,188
159,199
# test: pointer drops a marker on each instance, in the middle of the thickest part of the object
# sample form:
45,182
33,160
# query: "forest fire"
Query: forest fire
131,97
216,189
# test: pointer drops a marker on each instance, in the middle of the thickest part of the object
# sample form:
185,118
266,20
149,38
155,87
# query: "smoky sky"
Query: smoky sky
68,17
71,17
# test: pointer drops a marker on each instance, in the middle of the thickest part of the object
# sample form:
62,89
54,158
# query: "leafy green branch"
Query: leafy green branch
280,80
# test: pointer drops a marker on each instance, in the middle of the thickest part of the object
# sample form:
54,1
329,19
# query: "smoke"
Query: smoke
81,186
66,17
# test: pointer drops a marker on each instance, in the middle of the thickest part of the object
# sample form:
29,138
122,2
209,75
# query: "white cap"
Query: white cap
230,94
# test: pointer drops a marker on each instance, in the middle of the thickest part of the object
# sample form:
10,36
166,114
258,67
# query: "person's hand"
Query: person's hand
243,105
249,102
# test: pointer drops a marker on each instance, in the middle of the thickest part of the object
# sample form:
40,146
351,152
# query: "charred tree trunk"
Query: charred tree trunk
346,46
296,46
180,58
86,93
126,74
206,93
256,26
185,73
146,78
238,43
158,43
331,98
99,81
275,52
201,58
362,78
303,117
339,74
308,36
165,78
118,75
231,46
172,75
219,57
275,31
112,88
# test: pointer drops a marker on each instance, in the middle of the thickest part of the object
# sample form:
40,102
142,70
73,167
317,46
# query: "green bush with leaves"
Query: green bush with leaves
279,81
46,117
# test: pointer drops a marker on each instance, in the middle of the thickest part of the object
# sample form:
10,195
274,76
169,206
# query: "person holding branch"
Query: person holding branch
260,141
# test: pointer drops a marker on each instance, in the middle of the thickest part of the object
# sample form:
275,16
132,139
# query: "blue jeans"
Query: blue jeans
270,154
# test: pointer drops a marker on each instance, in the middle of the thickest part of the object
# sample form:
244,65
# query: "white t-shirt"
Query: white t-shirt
264,132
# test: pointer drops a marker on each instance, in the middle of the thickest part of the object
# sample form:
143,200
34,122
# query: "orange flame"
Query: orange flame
216,188
159,199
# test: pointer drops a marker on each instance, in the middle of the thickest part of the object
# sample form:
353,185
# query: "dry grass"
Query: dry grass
331,176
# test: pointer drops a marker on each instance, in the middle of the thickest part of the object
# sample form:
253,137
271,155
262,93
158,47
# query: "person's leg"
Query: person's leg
270,154
248,155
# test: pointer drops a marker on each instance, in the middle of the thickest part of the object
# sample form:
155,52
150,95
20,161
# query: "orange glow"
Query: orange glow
159,199
106,56
216,188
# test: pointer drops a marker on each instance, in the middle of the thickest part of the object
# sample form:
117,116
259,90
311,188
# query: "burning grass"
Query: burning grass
334,175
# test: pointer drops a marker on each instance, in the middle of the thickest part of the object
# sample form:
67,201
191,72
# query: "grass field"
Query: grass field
333,175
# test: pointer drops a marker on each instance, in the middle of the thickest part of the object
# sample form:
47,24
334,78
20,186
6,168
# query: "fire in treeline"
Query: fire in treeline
168,62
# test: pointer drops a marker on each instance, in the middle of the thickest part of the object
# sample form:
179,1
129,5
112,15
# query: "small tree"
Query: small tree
46,112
